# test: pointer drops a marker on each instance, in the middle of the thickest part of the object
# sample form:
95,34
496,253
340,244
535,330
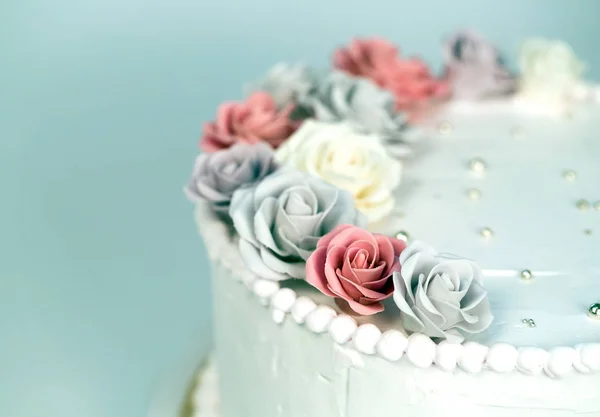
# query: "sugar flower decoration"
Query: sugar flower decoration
550,71
409,80
280,220
358,101
256,120
356,266
474,67
440,297
286,83
348,159
216,176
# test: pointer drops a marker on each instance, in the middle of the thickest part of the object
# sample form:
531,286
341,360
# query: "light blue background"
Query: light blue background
104,298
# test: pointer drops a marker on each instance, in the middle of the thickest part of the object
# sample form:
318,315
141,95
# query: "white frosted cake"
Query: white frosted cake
385,242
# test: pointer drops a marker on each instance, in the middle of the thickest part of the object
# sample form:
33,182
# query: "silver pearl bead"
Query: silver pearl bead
582,204
445,127
477,165
529,322
486,232
526,274
570,175
474,194
594,311
403,236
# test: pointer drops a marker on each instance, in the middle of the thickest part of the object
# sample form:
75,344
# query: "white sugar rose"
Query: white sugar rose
351,160
550,72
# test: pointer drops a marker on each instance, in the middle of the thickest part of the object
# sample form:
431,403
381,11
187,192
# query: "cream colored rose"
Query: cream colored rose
348,159
550,70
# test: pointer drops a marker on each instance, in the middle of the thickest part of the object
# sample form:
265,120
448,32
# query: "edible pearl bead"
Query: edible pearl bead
570,175
403,236
486,232
477,165
594,311
529,322
474,194
526,274
582,204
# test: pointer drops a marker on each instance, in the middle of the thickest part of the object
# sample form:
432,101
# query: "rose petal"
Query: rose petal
369,275
242,212
356,290
315,271
326,239
365,309
335,256
290,267
253,260
378,285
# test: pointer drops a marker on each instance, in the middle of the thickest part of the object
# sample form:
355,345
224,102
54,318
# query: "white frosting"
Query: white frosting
366,338
392,345
532,360
264,289
448,354
284,299
342,328
587,359
318,320
302,308
560,362
278,316
473,357
502,357
421,350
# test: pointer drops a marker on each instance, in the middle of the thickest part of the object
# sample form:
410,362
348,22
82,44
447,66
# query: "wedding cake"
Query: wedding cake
390,242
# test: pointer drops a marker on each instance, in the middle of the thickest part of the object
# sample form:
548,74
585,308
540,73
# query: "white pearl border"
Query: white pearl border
392,345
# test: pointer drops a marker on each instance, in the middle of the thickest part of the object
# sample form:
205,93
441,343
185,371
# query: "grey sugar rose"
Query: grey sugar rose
474,67
280,220
358,101
440,297
285,83
216,176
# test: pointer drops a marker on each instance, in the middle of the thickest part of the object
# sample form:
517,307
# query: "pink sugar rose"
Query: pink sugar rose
357,266
256,120
409,80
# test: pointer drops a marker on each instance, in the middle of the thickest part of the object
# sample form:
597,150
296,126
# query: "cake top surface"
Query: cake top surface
325,186
519,195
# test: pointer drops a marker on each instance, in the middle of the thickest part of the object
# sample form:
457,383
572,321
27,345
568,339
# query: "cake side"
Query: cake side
294,368
382,335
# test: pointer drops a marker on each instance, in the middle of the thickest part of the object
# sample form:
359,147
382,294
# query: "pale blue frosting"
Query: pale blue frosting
358,101
280,220
475,68
440,297
216,176
286,83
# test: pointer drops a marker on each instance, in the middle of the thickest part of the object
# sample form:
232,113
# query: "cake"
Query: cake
385,241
